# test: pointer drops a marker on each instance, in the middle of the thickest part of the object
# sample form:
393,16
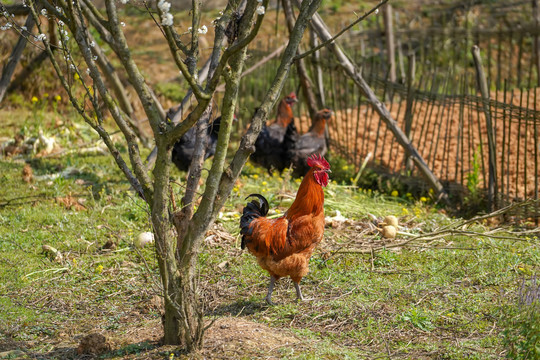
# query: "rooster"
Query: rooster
269,150
312,142
283,246
183,149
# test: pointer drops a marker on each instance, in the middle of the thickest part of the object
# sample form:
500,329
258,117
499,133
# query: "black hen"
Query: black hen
270,151
312,142
183,149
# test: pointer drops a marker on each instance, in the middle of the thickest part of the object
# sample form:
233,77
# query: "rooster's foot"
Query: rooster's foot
269,301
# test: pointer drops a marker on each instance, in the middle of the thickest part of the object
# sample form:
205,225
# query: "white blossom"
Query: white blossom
94,58
167,19
260,10
41,37
60,22
203,30
88,71
164,6
376,11
24,28
59,9
124,1
93,43
72,67
44,12
123,23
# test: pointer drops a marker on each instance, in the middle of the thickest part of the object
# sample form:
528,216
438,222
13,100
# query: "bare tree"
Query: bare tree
178,231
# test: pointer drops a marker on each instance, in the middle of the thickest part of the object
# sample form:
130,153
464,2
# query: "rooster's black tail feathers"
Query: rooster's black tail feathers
253,210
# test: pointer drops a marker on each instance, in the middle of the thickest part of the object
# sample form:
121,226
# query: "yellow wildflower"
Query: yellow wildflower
34,99
423,199
264,183
255,176
46,95
99,269
76,76
298,181
404,211
346,167
394,193
236,189
57,98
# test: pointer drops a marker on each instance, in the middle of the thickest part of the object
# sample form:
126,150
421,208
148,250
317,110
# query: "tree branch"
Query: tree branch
103,134
228,178
343,31
14,58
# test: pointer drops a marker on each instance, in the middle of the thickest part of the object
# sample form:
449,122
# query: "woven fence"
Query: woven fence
438,105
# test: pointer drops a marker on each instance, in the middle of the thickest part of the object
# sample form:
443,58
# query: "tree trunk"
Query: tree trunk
183,320
14,58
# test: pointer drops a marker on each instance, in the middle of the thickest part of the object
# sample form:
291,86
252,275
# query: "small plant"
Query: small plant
474,197
418,319
385,258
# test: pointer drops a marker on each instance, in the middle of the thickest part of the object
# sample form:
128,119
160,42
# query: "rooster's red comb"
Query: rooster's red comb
318,160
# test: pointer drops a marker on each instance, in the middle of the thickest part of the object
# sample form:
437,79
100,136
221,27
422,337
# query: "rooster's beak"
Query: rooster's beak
328,171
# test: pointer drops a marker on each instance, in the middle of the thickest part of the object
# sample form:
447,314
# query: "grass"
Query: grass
453,298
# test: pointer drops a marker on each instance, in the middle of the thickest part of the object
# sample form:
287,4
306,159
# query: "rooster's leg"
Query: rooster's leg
298,291
270,289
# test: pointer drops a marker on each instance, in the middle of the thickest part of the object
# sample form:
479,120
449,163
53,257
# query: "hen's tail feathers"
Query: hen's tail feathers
254,209
291,137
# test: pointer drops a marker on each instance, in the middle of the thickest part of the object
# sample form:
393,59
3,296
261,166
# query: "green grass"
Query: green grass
454,298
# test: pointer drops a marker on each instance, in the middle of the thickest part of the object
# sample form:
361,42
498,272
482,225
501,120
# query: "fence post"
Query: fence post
484,90
536,39
389,34
410,100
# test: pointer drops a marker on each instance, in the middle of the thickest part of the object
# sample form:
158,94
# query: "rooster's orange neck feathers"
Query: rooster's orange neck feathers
309,199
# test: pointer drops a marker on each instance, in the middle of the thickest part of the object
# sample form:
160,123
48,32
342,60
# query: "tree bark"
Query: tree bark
15,57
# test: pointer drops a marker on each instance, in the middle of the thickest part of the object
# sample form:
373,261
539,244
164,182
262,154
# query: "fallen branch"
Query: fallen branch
454,229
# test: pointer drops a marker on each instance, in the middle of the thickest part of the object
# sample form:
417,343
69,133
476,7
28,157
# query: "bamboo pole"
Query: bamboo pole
536,40
349,67
389,34
484,90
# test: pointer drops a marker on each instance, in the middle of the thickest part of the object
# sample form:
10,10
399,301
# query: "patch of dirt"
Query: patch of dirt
232,337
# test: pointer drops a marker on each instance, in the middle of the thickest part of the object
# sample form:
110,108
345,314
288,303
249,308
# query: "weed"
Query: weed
418,319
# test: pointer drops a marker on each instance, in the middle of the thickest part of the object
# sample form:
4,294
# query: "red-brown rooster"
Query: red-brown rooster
283,246
270,151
